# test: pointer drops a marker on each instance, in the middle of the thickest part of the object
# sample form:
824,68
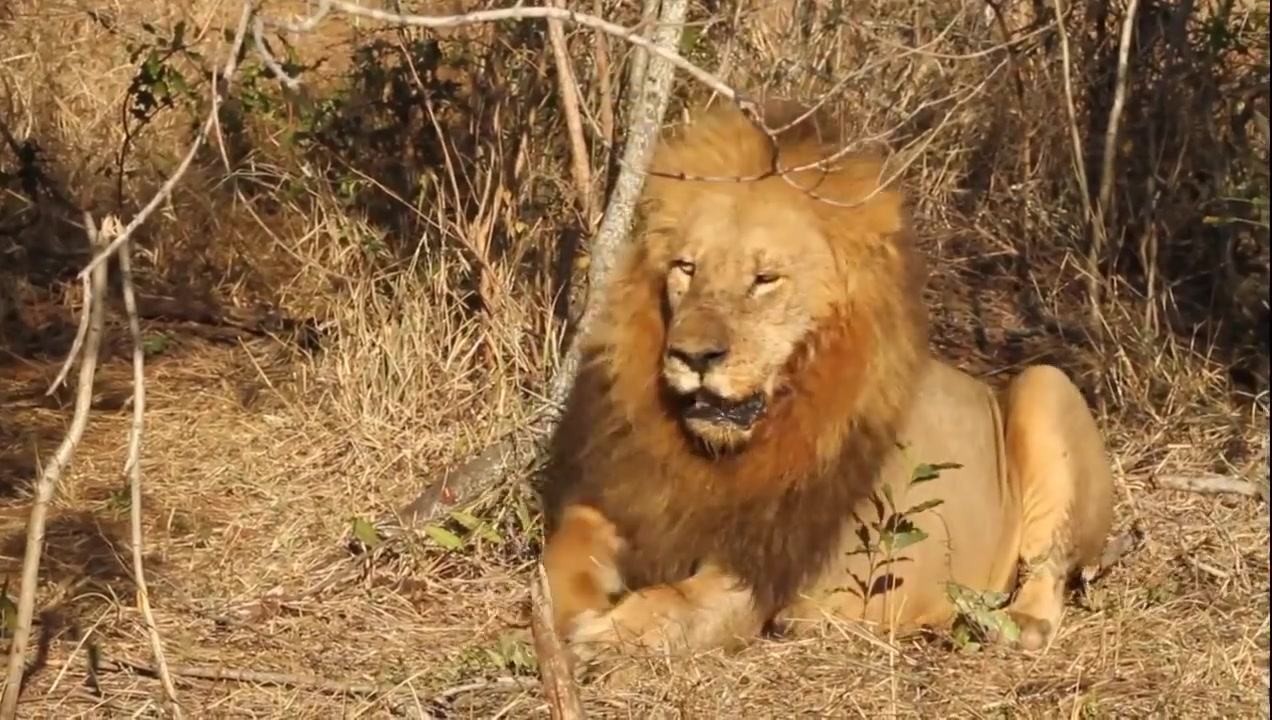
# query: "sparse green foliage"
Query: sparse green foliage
157,84
894,531
514,655
464,529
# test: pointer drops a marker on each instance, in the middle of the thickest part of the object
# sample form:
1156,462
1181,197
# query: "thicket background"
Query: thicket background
366,280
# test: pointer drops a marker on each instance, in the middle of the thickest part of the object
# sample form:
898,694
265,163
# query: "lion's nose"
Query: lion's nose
699,359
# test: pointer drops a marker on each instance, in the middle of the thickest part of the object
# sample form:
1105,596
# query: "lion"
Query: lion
755,398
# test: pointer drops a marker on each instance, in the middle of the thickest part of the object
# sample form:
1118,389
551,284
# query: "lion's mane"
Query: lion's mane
772,513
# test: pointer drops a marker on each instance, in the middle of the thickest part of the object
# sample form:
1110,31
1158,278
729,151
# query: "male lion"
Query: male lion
753,399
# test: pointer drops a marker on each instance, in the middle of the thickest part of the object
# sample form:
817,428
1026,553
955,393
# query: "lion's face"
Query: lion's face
746,281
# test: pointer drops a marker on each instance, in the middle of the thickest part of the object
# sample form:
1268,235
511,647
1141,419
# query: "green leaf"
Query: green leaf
994,599
364,531
476,525
897,541
924,472
468,520
443,537
925,506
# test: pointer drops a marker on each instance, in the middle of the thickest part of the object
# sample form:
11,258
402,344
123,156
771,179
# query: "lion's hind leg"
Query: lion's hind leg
580,560
1056,458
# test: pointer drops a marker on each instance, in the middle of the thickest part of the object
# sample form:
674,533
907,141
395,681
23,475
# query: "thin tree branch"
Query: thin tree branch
165,190
94,277
133,465
46,485
569,90
436,22
646,121
1094,221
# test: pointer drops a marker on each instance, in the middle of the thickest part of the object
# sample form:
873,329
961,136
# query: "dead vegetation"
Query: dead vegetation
364,281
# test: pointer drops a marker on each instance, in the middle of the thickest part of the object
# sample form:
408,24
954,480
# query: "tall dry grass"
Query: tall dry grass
376,269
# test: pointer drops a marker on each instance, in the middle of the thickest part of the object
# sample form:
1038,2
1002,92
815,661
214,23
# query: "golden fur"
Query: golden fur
755,361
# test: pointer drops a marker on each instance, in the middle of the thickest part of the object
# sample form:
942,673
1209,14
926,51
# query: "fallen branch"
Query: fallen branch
554,663
1210,484
46,485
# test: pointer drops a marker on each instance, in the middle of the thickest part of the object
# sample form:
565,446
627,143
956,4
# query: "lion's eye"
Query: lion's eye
683,266
766,278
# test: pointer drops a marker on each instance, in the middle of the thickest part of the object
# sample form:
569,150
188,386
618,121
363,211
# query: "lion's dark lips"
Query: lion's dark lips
712,408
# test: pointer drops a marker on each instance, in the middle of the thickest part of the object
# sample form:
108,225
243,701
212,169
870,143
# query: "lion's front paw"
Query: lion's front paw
1032,633
649,622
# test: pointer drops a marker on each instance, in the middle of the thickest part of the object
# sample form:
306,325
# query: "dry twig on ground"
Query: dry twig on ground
1212,484
294,680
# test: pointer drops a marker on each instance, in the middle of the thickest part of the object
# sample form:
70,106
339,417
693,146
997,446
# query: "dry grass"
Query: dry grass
424,275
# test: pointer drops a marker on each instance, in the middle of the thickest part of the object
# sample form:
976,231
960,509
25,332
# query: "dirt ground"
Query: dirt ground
261,455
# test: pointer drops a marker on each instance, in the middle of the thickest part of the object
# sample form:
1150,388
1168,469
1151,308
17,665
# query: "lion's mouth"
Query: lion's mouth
708,407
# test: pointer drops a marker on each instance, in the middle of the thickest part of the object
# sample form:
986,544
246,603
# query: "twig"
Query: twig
554,663
638,62
1079,168
132,468
1105,211
1207,568
77,344
46,485
569,89
438,22
1210,484
165,190
94,277
604,91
